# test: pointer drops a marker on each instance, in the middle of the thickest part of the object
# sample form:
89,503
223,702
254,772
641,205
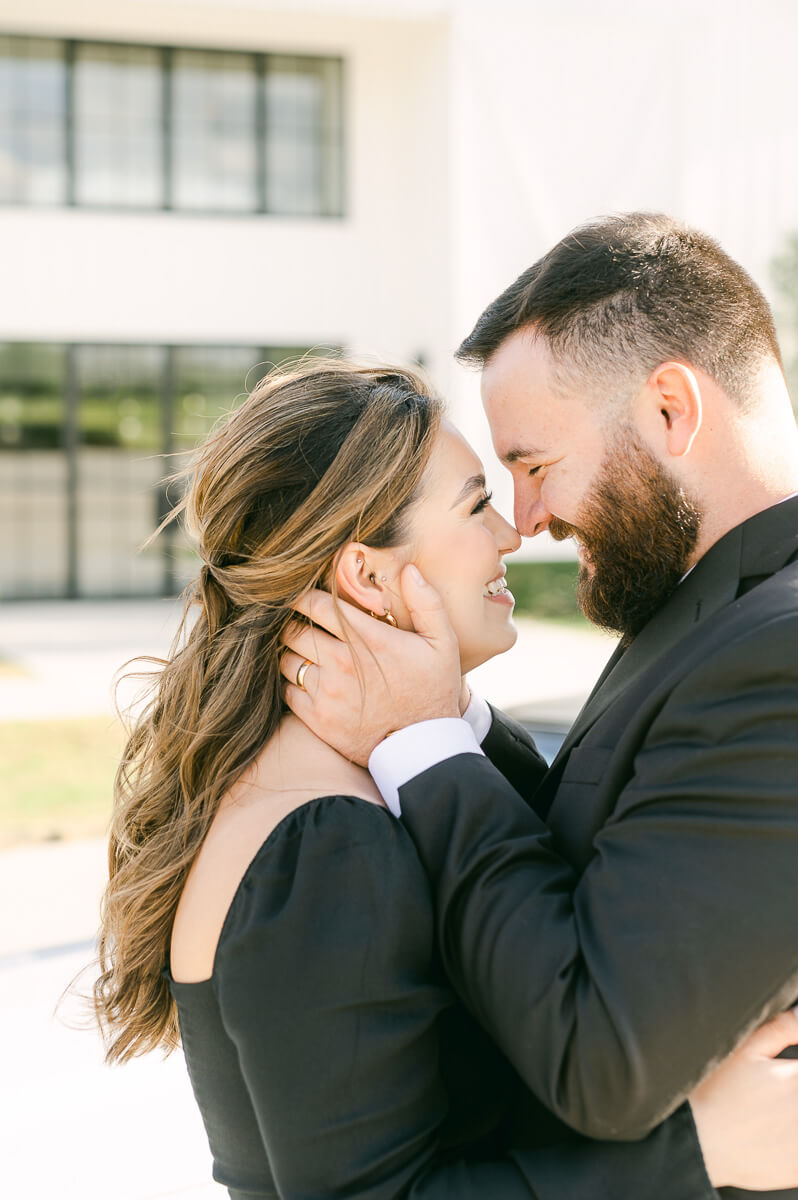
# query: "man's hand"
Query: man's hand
356,694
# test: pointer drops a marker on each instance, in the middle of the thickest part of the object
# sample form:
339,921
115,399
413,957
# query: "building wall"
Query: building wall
376,281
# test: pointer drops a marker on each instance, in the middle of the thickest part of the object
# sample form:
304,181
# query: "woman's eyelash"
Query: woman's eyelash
534,470
482,503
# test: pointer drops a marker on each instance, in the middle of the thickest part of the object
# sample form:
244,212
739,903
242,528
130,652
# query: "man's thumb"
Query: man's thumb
424,605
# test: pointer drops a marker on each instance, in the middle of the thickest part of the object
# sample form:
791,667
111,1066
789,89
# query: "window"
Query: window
303,136
88,436
119,467
125,126
118,126
32,121
213,123
33,471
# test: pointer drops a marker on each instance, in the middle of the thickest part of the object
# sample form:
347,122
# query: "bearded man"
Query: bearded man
621,924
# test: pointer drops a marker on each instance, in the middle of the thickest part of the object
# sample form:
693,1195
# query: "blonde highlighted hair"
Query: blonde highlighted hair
321,453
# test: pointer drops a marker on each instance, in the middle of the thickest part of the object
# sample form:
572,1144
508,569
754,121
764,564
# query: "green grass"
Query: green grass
56,778
545,590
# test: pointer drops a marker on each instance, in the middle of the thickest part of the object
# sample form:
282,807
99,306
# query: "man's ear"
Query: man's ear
357,574
674,407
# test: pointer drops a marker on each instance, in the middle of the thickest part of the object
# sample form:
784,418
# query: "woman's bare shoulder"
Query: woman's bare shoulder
292,770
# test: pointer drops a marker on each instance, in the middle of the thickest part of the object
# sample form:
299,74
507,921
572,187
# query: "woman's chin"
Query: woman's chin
498,643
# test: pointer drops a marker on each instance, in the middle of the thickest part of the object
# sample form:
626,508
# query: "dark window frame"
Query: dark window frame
169,542
262,58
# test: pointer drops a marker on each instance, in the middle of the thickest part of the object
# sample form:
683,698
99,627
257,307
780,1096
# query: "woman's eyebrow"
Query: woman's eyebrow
474,483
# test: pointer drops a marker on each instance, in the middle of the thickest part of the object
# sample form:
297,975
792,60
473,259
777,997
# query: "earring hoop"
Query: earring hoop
388,617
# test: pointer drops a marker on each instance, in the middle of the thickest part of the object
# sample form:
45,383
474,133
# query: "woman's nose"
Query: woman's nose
508,537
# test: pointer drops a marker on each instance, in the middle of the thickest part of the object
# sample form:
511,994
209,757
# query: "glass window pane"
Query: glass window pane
303,136
120,466
32,121
213,129
33,470
210,383
118,97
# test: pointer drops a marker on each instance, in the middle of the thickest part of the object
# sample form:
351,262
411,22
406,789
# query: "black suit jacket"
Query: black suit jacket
619,952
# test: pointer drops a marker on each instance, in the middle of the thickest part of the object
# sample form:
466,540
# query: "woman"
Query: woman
263,906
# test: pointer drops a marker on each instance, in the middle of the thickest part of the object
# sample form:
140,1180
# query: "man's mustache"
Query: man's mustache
561,530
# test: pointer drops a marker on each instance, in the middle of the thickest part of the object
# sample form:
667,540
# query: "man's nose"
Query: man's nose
530,513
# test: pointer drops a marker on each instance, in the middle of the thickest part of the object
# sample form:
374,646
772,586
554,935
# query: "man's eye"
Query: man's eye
482,503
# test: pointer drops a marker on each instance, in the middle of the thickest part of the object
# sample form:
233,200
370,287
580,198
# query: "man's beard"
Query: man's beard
638,529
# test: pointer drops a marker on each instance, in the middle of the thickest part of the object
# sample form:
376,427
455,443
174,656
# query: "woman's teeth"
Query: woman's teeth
496,586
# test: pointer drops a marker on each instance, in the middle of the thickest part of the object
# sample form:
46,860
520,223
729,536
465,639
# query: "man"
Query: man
633,384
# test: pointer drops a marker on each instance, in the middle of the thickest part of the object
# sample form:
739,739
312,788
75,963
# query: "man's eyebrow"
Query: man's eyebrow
474,483
520,452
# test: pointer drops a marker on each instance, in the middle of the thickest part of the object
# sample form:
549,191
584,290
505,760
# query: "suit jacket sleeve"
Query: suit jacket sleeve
613,992
513,752
325,984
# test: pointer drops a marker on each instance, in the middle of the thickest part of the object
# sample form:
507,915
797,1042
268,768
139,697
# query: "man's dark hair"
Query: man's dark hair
620,295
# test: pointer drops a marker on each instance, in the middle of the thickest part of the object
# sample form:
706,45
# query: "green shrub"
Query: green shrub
545,590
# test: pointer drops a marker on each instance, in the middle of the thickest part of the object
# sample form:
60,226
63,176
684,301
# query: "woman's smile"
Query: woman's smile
498,590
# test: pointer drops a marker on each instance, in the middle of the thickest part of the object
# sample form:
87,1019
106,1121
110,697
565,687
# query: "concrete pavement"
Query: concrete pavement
76,1129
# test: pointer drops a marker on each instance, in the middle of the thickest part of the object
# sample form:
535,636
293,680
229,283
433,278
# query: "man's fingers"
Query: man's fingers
290,665
314,644
429,617
300,703
319,607
770,1039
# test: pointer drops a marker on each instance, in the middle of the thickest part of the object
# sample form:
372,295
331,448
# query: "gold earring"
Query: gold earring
387,616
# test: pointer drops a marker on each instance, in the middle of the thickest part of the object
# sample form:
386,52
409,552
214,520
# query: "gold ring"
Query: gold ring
300,675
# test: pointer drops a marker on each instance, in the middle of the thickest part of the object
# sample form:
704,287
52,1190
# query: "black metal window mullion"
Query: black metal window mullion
341,149
168,399
70,51
71,436
260,130
167,156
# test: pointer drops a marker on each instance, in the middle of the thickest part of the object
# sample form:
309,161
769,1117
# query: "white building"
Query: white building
191,187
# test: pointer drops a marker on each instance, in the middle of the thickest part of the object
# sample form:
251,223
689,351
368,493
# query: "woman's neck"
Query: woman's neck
295,759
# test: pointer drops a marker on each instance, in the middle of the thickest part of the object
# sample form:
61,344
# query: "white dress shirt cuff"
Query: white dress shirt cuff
479,717
407,753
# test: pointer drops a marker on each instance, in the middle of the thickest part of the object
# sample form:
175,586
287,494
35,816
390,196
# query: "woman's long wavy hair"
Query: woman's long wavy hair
321,453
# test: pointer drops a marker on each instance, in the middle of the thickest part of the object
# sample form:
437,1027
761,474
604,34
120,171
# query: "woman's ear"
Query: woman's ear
360,578
676,395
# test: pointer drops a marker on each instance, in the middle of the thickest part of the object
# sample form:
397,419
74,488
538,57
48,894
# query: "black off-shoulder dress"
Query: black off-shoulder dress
329,1057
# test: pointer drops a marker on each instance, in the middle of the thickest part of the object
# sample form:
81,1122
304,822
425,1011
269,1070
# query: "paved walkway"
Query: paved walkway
133,1132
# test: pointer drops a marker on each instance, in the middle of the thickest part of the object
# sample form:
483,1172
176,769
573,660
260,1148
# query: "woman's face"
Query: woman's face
457,542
